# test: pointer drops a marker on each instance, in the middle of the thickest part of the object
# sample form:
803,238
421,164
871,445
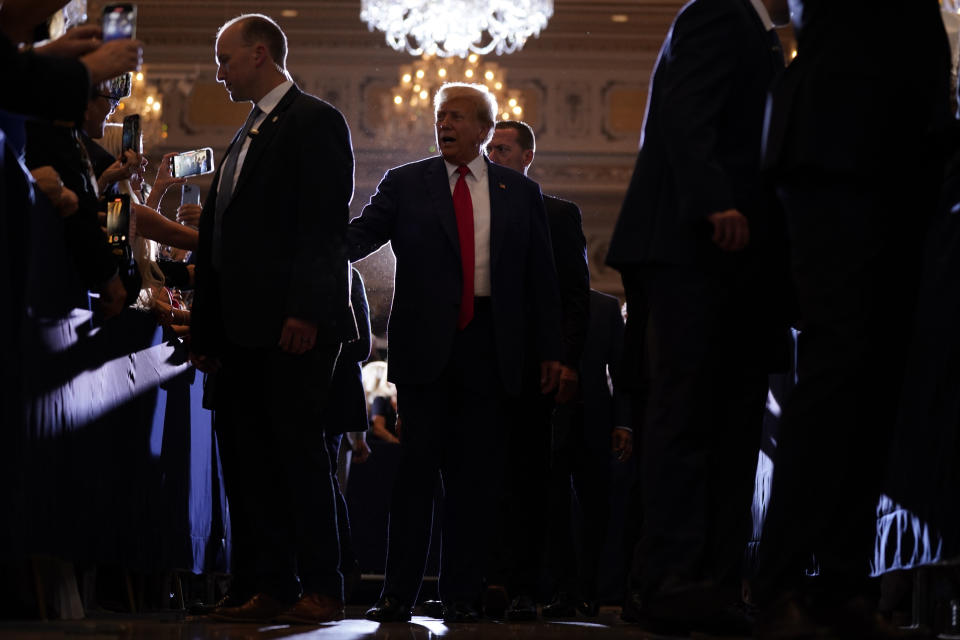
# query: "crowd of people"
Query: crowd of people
765,198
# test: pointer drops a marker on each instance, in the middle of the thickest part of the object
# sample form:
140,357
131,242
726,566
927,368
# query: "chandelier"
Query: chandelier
409,115
447,28
420,81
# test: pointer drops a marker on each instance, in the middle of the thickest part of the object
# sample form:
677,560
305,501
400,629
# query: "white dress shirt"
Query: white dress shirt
761,10
479,185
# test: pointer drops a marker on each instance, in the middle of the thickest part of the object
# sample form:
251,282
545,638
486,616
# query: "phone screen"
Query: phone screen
118,220
131,134
119,21
193,163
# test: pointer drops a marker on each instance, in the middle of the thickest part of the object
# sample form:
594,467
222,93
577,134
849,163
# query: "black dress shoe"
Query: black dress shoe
460,612
389,609
637,611
522,609
432,609
227,601
495,602
260,608
562,606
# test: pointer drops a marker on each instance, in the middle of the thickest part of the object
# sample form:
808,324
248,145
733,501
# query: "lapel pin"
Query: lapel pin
503,186
275,118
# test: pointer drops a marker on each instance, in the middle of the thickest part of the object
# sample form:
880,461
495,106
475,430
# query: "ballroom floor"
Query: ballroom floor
174,627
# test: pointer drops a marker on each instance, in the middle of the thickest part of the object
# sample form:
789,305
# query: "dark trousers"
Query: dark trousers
277,471
701,434
523,510
580,468
451,427
856,258
348,558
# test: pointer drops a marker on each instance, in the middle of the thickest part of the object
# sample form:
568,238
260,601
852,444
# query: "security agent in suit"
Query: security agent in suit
599,427
853,144
346,413
470,296
695,240
270,329
529,447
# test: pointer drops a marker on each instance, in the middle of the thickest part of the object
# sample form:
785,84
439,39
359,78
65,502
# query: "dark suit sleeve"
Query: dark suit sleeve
542,282
621,396
374,226
573,275
359,349
695,85
318,281
43,86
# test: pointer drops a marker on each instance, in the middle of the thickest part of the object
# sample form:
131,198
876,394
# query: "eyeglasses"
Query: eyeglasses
113,101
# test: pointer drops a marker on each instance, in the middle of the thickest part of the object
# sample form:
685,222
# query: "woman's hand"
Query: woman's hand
122,169
164,180
189,214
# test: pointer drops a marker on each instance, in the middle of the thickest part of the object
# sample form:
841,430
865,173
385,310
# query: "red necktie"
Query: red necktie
463,207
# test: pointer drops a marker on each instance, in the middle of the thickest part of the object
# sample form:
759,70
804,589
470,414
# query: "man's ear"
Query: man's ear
260,54
527,157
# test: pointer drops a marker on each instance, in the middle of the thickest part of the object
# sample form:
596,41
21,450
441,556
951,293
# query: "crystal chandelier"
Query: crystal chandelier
409,115
421,80
448,28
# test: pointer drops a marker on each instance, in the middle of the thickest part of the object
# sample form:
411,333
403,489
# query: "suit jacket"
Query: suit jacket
413,210
603,408
283,249
700,146
573,274
346,410
868,92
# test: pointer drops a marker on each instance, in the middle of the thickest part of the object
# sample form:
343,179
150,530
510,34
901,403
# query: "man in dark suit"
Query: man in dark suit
852,142
528,464
271,328
347,413
599,426
692,240
475,286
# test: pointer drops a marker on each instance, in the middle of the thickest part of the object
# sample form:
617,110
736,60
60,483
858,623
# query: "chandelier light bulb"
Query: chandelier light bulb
468,73
459,28
406,78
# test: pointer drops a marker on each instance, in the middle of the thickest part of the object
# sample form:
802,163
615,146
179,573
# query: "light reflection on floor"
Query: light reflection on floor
173,627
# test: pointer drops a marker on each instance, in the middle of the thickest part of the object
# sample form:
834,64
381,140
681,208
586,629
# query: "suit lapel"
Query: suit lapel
498,211
775,53
265,133
438,186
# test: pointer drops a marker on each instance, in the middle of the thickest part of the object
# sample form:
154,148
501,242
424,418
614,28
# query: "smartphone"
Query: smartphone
118,222
192,163
131,134
191,194
120,87
119,21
